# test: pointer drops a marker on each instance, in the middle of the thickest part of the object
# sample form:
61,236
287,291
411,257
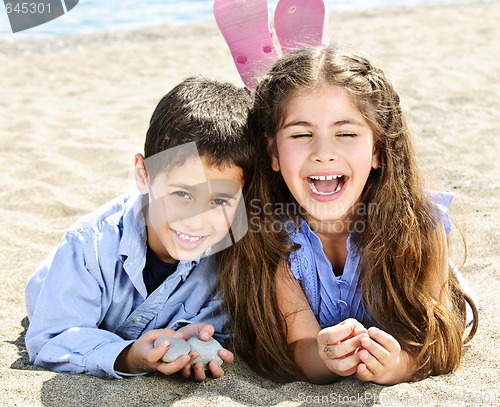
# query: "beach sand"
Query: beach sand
74,111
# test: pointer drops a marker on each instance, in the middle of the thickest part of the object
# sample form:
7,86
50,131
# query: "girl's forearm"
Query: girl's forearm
312,368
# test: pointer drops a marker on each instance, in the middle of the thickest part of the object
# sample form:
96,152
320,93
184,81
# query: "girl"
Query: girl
347,252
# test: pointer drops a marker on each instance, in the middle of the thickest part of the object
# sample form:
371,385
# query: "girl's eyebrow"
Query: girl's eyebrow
296,123
347,121
337,123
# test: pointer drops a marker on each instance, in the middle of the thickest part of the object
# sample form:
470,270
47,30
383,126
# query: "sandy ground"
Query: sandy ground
74,111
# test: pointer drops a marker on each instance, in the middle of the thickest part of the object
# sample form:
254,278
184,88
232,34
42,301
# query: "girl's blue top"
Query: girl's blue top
335,298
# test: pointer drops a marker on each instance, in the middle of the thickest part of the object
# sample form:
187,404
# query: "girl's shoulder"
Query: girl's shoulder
442,201
298,230
443,198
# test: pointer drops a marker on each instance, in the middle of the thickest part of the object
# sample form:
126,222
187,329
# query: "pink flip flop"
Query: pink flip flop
300,23
245,27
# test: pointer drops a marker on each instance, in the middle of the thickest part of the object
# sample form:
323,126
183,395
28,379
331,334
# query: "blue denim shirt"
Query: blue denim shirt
87,301
335,298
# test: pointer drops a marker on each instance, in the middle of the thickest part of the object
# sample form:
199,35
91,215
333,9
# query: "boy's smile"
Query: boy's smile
186,238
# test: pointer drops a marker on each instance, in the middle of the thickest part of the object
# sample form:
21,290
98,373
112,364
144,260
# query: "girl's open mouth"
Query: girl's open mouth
325,185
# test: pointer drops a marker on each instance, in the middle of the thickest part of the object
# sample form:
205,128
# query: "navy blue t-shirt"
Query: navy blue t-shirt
156,271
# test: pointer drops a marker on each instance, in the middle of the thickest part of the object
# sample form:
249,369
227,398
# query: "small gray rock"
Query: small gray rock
208,350
178,347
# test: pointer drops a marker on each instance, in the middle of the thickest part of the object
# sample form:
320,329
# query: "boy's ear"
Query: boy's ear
273,153
141,176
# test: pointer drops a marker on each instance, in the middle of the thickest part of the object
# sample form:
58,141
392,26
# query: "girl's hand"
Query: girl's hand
339,345
382,360
142,356
204,331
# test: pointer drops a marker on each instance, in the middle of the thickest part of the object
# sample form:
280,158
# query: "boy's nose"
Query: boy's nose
197,222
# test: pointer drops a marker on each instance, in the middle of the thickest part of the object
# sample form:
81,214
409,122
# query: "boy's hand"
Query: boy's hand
204,331
142,356
201,329
382,360
338,346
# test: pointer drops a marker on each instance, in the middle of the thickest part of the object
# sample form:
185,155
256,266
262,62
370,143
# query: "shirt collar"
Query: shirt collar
306,229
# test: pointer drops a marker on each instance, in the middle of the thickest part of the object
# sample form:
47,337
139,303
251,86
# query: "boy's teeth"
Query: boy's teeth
187,238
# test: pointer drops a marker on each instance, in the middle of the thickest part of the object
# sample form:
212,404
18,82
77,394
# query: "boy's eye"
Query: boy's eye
220,202
181,194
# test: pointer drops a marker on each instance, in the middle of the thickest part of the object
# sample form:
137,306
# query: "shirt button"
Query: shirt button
137,319
341,304
343,283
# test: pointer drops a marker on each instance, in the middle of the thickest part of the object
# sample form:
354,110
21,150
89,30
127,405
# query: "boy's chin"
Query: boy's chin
189,255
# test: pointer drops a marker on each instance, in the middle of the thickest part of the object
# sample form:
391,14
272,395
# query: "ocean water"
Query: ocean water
91,16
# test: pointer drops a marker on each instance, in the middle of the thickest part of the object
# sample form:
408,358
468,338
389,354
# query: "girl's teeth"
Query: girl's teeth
325,177
187,238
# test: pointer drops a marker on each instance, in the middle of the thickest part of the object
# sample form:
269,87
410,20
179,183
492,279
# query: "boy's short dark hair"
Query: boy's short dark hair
211,113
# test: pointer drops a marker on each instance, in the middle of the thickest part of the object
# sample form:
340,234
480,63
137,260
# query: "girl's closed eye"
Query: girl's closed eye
346,134
301,135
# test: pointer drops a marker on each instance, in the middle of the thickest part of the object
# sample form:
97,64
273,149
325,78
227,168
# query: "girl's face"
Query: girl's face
191,208
325,151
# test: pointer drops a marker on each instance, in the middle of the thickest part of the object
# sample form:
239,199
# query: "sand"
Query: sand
74,111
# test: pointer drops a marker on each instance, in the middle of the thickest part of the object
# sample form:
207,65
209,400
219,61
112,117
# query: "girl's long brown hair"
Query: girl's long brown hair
400,245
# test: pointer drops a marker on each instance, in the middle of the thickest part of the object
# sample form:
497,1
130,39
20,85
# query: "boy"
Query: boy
139,267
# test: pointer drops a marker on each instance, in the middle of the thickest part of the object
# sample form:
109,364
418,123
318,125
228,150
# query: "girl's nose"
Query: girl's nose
323,150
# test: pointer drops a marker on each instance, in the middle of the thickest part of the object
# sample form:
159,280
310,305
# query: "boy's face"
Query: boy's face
191,208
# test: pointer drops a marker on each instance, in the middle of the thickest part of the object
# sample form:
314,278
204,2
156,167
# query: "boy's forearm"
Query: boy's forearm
122,363
78,350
